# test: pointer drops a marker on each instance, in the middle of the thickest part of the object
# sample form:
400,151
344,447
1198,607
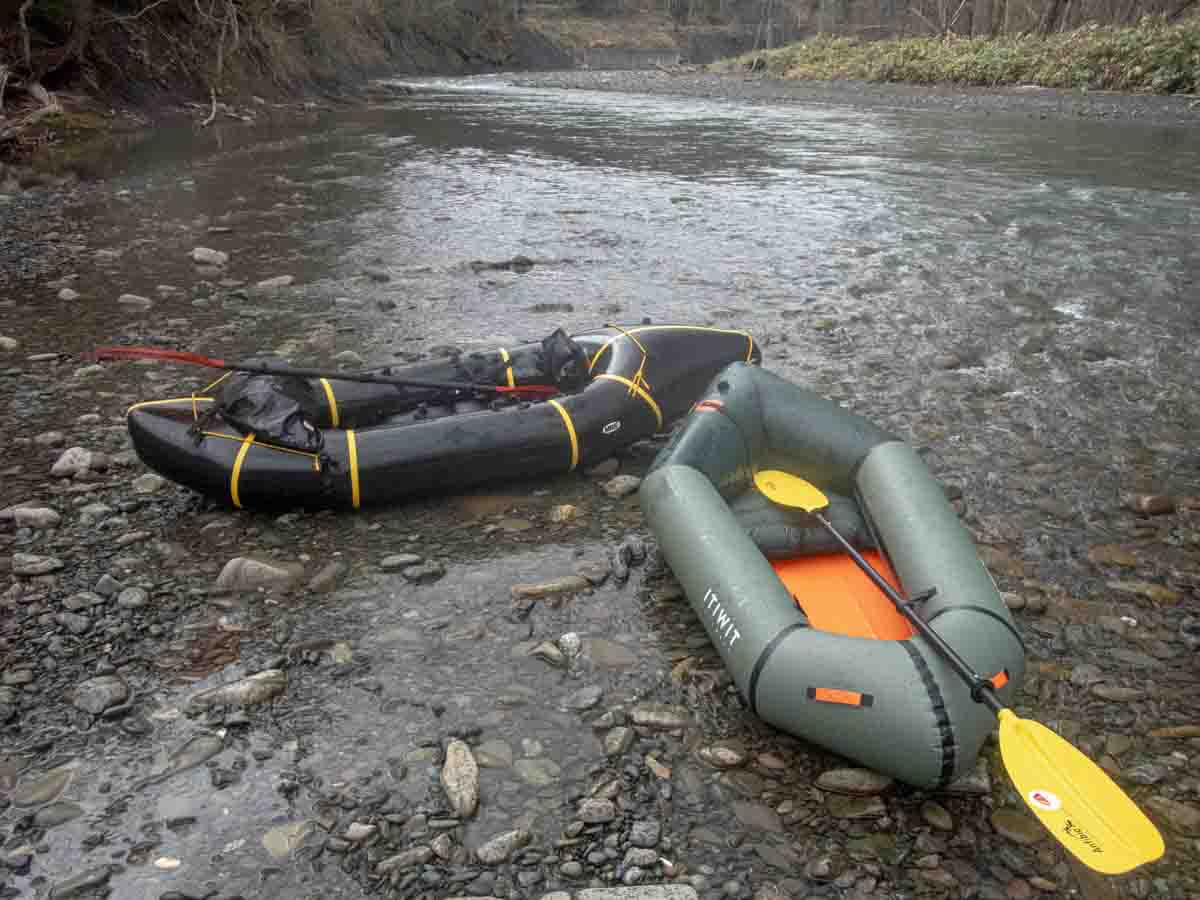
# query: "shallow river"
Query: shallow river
1016,296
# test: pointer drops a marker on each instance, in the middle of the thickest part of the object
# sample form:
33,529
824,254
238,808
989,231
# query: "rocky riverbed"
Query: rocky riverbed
504,693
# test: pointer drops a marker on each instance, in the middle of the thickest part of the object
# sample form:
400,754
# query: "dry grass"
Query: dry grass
647,32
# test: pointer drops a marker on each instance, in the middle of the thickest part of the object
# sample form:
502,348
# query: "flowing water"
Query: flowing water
1016,296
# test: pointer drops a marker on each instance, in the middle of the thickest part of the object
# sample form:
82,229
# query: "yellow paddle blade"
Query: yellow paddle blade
1076,801
789,490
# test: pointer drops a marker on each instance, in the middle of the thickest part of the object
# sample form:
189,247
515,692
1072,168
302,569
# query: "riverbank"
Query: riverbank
1026,101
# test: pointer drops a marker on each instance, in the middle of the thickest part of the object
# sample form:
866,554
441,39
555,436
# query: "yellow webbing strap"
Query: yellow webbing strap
750,349
644,328
640,391
237,469
508,363
333,410
352,454
566,417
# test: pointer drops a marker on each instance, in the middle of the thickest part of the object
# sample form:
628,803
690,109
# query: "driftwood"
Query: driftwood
212,115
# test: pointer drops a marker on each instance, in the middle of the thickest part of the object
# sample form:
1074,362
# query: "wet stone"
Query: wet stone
249,691
398,561
494,754
39,518
460,779
621,486
83,884
58,813
29,564
855,782
538,772
502,846
583,699
645,833
596,812
657,715
96,695
618,740
723,755
132,598
846,807
34,790
1018,826
757,816
937,816
425,573
1182,818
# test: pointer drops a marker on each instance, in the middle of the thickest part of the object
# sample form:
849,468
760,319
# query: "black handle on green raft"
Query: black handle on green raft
982,690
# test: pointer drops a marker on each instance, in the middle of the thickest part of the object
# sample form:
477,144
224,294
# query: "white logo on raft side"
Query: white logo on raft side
612,427
721,619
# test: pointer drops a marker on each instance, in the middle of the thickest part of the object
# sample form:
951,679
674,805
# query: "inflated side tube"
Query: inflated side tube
892,705
637,381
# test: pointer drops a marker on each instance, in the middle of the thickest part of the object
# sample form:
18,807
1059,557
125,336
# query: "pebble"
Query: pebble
8,344
499,848
856,782
135,301
30,564
621,486
271,284
249,691
424,573
1018,826
73,462
569,584
132,598
242,574
399,561
662,716
36,790
149,483
96,695
204,256
460,779
40,518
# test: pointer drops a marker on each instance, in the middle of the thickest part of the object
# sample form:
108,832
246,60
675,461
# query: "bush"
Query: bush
1154,56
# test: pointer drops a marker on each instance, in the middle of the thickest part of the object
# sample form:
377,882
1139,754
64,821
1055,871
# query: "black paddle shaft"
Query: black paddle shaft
365,378
982,690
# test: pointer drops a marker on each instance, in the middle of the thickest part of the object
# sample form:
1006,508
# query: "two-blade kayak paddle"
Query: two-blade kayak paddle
1070,795
102,354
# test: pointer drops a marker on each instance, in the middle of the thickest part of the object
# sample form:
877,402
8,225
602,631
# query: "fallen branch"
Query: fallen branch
212,115
3,83
21,13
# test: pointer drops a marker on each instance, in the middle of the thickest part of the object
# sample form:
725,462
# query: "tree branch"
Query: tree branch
21,13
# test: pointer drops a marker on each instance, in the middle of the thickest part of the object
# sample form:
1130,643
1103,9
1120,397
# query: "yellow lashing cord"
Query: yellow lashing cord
333,410
640,391
566,417
508,364
352,454
237,469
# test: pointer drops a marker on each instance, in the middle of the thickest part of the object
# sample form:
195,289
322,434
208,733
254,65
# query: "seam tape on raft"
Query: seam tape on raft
566,417
236,473
836,695
703,405
639,390
352,454
333,410
508,367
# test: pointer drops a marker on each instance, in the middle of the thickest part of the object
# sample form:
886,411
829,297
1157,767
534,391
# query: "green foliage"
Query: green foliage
1154,56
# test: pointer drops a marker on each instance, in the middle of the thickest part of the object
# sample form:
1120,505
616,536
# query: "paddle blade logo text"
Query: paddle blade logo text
1044,800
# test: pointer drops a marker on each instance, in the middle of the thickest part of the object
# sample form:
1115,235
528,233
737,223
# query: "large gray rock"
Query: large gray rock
74,461
204,256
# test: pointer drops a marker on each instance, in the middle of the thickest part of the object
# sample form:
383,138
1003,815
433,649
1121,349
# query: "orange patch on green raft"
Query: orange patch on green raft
837,596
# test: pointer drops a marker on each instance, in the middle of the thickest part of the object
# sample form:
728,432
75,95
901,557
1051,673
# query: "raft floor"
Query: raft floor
837,596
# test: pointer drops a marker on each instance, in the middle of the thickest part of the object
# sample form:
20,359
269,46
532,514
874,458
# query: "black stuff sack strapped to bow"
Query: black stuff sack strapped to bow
276,409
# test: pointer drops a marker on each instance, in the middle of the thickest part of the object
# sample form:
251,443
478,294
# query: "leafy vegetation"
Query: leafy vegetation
1153,56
